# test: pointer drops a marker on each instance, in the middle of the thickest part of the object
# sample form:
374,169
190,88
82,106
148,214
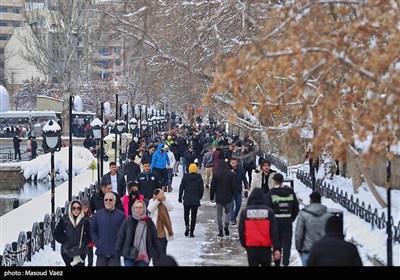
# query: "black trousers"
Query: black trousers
285,232
259,256
186,211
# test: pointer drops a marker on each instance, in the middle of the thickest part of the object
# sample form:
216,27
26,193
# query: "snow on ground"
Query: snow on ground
372,241
185,250
188,251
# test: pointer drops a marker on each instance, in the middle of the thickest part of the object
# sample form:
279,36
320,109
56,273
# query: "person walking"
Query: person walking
283,201
137,238
148,181
332,249
191,190
104,231
73,232
159,208
89,215
240,180
129,199
258,230
310,226
222,188
117,179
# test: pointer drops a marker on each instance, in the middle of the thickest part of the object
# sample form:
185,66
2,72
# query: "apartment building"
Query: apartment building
11,16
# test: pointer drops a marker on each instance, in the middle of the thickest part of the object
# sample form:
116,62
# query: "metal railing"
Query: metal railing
351,204
31,242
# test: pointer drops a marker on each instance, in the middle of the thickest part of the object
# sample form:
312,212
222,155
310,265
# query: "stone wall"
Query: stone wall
11,175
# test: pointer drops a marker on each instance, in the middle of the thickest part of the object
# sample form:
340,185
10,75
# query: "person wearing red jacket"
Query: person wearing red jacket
258,230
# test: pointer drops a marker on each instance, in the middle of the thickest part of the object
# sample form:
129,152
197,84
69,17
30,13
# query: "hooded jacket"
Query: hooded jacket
160,159
257,225
332,249
68,231
310,226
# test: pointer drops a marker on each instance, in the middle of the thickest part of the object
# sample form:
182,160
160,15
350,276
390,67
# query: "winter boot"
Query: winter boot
170,188
192,226
226,231
220,234
187,230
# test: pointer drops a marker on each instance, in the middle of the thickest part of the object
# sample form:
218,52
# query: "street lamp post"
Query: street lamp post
52,135
143,126
120,124
132,125
389,241
97,127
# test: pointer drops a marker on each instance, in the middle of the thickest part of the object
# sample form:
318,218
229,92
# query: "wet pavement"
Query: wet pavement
219,251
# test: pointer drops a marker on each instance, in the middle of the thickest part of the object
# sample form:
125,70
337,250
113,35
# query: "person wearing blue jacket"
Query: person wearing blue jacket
159,164
104,231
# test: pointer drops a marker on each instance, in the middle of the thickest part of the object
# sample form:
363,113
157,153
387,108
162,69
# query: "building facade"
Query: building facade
11,17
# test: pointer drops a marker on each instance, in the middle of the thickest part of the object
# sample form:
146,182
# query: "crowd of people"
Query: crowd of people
129,215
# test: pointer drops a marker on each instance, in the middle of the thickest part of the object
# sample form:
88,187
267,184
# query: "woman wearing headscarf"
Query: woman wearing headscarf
73,232
137,238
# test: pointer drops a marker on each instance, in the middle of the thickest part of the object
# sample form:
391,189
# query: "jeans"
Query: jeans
227,207
183,162
236,204
130,262
304,258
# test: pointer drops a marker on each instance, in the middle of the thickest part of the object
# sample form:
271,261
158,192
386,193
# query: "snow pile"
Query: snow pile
39,167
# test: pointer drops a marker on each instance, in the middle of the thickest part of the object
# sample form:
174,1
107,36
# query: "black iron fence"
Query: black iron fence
367,213
31,242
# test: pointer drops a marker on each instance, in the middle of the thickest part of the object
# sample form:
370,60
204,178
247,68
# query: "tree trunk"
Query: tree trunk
367,178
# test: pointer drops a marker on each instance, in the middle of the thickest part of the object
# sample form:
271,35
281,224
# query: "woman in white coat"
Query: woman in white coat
159,206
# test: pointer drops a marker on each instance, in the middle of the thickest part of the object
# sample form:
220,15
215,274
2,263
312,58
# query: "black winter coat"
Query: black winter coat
223,185
121,188
70,236
240,179
192,189
332,250
126,235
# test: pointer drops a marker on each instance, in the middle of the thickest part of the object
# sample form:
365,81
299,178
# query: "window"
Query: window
3,9
117,50
16,24
103,51
117,63
16,10
1,50
3,23
4,37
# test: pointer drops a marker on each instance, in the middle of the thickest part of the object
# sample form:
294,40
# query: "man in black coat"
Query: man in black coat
131,169
117,179
283,201
16,143
240,178
332,249
223,186
97,200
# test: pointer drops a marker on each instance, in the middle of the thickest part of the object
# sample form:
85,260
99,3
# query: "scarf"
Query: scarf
163,221
140,237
